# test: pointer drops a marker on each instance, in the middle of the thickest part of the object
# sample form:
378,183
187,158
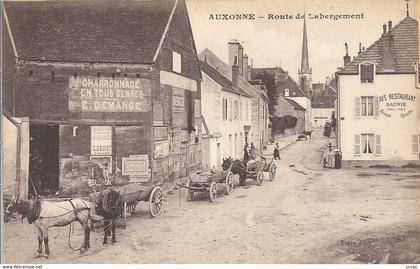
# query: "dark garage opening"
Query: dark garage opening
44,159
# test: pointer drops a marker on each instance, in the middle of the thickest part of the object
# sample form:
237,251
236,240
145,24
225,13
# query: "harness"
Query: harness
77,210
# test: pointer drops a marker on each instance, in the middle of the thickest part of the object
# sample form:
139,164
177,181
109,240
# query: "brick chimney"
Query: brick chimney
387,45
346,58
233,51
235,73
241,60
245,69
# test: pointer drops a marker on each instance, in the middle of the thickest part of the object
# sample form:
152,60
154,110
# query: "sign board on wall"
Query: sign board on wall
136,165
160,133
102,94
157,113
101,140
178,100
161,149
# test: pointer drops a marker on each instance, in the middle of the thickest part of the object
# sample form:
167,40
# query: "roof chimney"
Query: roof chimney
346,58
360,48
233,51
235,73
387,44
384,27
245,67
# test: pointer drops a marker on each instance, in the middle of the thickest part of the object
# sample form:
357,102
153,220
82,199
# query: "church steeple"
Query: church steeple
304,65
305,72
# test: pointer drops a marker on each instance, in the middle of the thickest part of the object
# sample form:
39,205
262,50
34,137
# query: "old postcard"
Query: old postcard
210,132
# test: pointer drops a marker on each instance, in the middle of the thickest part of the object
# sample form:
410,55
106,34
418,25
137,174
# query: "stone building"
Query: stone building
378,102
259,131
227,120
110,91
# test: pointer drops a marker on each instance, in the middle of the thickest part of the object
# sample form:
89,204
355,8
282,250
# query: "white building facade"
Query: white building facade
378,102
226,110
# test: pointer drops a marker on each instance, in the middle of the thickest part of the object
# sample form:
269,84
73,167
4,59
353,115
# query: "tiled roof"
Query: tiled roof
284,81
406,49
99,31
220,79
294,104
323,101
224,69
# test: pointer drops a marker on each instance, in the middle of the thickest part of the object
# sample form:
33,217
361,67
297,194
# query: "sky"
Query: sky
279,42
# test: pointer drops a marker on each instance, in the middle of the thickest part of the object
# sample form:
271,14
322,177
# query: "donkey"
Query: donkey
45,214
109,206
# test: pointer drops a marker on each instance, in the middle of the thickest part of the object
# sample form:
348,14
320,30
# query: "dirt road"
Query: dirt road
307,215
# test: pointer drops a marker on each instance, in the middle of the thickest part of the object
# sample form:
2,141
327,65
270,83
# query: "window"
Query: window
236,112
366,73
367,106
246,111
286,92
367,144
176,62
224,109
230,110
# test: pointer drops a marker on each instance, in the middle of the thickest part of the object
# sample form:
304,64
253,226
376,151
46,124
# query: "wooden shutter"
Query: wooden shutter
378,150
415,144
357,106
376,106
356,144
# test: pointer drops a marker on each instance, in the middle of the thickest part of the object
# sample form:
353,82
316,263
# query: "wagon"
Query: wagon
258,169
131,194
207,182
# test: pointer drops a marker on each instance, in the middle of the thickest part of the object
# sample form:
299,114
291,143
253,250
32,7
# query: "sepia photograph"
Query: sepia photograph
210,132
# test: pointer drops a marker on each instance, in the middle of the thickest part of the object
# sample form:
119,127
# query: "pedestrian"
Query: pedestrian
246,153
276,153
253,152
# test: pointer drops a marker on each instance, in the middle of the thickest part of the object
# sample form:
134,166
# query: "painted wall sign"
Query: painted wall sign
401,104
161,149
160,133
101,140
92,94
178,100
137,165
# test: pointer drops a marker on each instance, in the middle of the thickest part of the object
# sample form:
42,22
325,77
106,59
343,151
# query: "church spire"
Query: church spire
304,65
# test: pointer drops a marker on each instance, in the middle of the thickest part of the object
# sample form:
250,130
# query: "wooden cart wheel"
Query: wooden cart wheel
190,194
156,201
213,192
260,178
272,170
229,183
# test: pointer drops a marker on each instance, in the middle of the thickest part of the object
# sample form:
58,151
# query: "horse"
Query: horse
109,205
237,167
45,214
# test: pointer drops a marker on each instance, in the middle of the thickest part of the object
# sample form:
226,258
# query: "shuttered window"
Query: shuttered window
366,73
356,144
376,105
415,144
378,150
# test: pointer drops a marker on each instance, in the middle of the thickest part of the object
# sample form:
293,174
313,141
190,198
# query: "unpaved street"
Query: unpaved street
307,215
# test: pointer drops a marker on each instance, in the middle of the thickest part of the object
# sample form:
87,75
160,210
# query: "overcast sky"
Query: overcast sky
279,42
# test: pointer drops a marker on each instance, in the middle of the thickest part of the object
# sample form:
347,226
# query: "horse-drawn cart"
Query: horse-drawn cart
207,182
252,169
257,169
131,194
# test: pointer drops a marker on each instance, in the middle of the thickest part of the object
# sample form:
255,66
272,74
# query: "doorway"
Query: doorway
43,159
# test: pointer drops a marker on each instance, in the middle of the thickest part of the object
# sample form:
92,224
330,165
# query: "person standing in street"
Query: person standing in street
246,153
276,153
